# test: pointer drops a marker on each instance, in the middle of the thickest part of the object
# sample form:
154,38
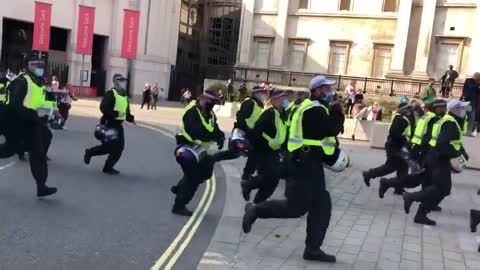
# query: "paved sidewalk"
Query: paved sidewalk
365,232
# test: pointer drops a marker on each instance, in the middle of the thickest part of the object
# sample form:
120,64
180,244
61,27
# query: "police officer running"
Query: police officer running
27,103
199,131
247,116
396,146
420,147
313,123
115,110
446,154
268,137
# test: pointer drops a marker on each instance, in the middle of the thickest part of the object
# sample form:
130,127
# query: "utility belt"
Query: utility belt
306,152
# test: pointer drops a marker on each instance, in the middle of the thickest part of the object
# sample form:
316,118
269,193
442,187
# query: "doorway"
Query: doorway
98,73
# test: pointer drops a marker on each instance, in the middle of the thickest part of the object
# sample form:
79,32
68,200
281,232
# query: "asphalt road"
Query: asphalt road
98,221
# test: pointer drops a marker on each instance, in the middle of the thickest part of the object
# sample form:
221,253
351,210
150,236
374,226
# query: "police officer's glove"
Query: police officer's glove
220,143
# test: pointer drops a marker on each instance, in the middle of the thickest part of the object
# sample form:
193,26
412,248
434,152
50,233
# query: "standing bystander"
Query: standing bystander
471,93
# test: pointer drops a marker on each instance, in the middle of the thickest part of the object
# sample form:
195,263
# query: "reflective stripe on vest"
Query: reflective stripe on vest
35,97
121,105
407,132
292,107
209,126
437,127
296,140
422,126
281,133
3,92
257,111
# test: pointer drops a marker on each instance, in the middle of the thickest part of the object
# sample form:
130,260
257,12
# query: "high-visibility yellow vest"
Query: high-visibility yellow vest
281,133
209,126
35,97
422,126
257,111
290,110
295,138
3,93
465,125
121,105
437,127
407,132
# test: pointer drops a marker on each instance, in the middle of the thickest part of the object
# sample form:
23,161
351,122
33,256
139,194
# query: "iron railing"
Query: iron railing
369,86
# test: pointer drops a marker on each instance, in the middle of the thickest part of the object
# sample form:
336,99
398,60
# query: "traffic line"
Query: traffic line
7,165
190,228
194,229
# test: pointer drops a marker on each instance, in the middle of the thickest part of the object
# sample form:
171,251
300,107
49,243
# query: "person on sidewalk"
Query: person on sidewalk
471,93
268,137
446,154
155,94
474,221
312,124
399,135
146,96
199,131
115,110
30,131
420,147
247,116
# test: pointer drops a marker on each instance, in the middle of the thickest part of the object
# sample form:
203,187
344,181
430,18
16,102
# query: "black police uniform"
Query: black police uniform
195,175
33,133
305,187
419,154
114,148
3,90
394,163
246,110
267,160
438,172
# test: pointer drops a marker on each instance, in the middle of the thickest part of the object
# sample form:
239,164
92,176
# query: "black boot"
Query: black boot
384,186
478,192
249,217
421,217
45,191
245,176
111,171
474,219
367,177
399,191
318,255
87,157
174,189
181,211
437,209
408,199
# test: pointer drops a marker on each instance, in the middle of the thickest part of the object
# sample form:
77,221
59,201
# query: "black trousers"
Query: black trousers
193,176
394,163
440,175
113,149
269,174
155,101
146,100
36,140
305,193
251,165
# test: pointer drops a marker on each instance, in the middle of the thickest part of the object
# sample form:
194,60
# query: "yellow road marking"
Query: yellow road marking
194,229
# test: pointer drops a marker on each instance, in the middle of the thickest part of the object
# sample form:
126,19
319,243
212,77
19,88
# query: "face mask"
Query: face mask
285,104
261,98
38,72
328,96
462,113
122,85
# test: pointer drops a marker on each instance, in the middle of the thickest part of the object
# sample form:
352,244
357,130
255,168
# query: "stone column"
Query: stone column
473,62
278,56
401,37
246,32
424,39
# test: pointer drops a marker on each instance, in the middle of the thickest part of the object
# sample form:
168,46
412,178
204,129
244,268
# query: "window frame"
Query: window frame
339,43
350,9
381,45
297,41
396,7
262,39
309,5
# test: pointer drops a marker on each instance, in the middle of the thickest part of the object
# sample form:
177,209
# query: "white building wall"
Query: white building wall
157,44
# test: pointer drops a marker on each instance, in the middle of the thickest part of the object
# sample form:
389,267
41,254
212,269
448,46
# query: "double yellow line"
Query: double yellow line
180,243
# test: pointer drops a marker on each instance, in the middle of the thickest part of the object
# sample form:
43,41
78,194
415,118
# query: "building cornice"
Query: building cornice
379,16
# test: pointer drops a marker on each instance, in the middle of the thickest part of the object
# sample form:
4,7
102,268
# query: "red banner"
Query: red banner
86,22
41,27
130,34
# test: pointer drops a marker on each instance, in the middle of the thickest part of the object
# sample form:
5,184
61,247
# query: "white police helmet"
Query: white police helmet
239,143
338,162
189,155
458,164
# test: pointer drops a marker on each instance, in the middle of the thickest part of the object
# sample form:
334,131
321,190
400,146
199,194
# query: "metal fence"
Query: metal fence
370,86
